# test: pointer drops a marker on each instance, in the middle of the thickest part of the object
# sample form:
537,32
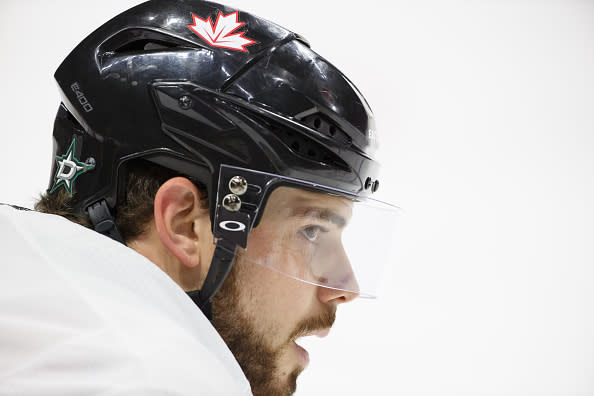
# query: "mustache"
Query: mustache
309,325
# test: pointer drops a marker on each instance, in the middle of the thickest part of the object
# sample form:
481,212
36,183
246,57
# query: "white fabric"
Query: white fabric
81,314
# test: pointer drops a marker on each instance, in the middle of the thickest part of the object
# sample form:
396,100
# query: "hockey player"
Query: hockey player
226,173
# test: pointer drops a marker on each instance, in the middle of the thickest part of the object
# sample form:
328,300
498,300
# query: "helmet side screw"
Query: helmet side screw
375,186
231,202
185,102
238,185
367,183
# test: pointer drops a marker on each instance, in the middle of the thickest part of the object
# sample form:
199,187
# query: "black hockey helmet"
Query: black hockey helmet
229,99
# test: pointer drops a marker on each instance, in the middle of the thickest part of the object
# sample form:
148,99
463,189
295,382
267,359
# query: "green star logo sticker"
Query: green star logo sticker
69,168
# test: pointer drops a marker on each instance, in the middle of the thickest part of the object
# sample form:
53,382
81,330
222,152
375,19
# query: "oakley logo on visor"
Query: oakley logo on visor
231,225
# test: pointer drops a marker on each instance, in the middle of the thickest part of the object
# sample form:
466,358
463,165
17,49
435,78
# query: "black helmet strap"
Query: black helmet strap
220,266
103,221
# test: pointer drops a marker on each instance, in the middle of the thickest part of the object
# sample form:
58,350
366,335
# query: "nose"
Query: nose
345,286
332,296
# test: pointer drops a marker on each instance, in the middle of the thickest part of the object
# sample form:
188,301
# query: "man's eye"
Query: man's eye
312,232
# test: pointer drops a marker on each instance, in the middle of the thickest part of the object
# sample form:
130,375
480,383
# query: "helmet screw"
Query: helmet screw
185,102
231,202
375,186
238,185
367,183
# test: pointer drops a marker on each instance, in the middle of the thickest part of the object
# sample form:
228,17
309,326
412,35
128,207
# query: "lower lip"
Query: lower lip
303,355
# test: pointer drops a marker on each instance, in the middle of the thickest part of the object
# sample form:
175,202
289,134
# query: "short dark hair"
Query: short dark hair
133,215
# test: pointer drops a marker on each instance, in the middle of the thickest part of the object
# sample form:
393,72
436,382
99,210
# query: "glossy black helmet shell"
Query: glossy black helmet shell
146,85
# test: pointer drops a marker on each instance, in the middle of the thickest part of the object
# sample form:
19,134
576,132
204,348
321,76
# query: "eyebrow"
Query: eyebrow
320,214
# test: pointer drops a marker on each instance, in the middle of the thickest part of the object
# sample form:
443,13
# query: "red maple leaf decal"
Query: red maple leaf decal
221,33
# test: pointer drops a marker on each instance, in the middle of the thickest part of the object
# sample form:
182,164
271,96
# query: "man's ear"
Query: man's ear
176,209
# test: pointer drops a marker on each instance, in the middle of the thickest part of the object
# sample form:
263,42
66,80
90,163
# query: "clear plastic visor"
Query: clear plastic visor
331,240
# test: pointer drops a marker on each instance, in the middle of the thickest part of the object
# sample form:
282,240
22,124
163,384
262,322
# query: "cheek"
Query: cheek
279,251
273,271
274,300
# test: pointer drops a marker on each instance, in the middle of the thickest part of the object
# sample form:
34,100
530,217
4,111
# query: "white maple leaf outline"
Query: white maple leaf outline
220,34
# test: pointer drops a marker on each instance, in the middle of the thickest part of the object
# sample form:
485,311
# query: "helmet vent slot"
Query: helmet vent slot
325,126
145,45
306,148
317,123
141,40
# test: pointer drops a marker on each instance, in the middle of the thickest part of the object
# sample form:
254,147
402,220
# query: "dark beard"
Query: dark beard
255,357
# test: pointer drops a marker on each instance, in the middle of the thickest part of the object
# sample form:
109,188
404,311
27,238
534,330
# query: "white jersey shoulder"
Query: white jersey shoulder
81,314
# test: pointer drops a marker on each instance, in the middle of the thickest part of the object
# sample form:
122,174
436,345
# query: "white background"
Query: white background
486,116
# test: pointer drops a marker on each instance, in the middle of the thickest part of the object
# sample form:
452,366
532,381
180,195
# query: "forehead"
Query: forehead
290,201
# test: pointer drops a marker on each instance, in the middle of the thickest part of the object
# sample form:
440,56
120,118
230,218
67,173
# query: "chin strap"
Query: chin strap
103,221
221,264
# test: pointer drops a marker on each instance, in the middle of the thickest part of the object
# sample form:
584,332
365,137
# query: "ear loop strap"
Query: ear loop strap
220,266
103,221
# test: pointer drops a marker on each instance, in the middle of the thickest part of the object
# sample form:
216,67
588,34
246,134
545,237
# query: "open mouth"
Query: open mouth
302,352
